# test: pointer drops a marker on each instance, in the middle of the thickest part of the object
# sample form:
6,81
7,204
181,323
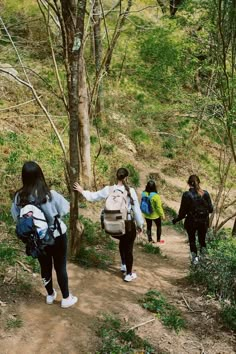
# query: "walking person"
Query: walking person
155,212
36,191
126,241
195,207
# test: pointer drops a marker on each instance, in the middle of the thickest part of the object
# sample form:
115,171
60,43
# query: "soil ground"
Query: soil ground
50,329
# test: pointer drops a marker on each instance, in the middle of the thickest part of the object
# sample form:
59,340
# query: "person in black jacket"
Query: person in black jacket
195,208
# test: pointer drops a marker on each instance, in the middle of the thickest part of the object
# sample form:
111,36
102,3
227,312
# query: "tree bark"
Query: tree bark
73,31
174,5
84,126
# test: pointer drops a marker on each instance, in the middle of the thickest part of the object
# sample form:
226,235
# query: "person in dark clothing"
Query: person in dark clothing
195,208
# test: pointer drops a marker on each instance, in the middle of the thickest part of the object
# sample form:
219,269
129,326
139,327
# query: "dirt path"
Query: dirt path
49,329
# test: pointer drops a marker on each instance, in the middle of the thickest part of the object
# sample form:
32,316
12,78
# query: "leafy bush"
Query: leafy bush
168,314
117,340
217,269
228,315
139,136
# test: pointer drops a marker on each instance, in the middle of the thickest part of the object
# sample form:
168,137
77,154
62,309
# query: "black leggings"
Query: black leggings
201,230
56,255
126,246
149,228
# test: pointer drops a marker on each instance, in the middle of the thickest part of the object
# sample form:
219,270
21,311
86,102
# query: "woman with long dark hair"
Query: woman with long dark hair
126,241
157,212
195,208
36,191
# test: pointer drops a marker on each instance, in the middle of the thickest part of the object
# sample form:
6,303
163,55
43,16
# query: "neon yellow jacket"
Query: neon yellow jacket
156,207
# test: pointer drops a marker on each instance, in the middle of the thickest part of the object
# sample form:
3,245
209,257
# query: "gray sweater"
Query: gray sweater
58,205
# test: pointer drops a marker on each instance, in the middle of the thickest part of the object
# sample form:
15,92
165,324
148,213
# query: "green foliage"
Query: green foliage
217,269
167,313
228,315
93,139
169,145
117,340
134,177
165,67
102,165
97,249
7,253
149,248
108,149
139,136
14,322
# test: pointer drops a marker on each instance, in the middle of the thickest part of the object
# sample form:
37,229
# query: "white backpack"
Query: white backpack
115,212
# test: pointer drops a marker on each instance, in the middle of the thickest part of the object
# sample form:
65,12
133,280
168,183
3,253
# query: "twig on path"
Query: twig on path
24,267
141,324
188,306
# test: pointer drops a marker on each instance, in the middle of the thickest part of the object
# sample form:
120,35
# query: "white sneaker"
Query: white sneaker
196,260
70,301
123,268
50,298
130,277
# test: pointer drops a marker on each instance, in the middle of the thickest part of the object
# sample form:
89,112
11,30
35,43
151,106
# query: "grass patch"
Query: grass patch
167,313
14,322
116,339
149,248
7,254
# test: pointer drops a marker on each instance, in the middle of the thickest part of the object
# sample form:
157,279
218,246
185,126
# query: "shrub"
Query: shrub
139,136
228,315
217,269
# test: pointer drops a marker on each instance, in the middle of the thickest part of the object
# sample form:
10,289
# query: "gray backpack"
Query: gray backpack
115,213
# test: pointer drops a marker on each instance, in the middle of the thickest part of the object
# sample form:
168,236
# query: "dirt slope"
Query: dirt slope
50,329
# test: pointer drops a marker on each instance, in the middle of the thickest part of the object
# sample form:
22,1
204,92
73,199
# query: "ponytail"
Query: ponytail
128,192
194,182
121,174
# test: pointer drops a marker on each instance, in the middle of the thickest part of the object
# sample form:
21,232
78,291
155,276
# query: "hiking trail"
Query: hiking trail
50,329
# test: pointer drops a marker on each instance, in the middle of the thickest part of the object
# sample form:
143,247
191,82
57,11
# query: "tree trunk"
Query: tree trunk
174,5
84,127
72,24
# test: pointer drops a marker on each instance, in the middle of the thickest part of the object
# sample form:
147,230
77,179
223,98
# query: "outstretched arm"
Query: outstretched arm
92,196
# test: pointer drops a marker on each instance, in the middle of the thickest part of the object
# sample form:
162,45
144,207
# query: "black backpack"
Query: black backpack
200,210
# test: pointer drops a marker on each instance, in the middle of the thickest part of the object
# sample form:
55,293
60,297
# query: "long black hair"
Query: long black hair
35,188
121,174
151,187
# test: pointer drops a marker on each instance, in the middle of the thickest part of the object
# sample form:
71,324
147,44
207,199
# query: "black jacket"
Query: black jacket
187,204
